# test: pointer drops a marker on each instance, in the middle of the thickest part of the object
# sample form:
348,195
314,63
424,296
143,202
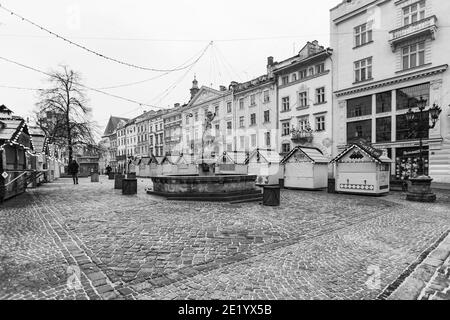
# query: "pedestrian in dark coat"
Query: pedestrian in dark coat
73,170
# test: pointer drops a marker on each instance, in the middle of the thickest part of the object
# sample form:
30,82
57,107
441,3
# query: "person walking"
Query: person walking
73,170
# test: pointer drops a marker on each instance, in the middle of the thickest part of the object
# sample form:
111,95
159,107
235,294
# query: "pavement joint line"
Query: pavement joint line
53,215
393,286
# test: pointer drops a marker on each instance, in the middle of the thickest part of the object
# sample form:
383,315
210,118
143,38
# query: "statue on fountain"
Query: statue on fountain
207,166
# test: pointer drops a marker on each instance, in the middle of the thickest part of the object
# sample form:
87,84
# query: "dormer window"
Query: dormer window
414,13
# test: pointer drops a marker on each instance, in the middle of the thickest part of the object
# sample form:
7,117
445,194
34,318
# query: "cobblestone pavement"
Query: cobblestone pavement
315,246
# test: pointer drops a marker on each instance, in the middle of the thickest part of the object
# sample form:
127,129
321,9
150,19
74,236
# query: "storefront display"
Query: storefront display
407,162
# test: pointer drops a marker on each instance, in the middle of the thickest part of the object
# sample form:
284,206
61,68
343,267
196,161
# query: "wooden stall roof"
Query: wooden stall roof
13,129
314,154
236,157
170,160
268,156
374,154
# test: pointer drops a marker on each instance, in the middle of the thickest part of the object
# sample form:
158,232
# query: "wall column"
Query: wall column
374,118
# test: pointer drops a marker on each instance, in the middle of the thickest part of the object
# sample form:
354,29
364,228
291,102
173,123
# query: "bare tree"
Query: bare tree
63,112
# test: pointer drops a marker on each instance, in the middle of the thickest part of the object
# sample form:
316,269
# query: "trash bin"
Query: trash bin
111,176
95,177
331,185
131,175
281,183
129,186
271,196
118,179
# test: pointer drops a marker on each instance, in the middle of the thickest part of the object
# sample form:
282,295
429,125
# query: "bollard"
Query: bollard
271,196
95,177
118,179
331,185
129,186
131,175
111,176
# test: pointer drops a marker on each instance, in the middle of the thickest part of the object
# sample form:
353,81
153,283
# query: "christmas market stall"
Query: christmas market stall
266,165
15,154
232,163
186,165
169,165
362,169
305,168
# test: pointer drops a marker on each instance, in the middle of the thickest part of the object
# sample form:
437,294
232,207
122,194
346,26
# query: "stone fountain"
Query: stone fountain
207,185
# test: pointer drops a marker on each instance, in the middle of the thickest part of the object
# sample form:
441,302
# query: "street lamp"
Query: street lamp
419,123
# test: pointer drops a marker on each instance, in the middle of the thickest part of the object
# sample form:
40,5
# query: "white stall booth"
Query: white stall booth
266,165
362,169
305,168
186,166
169,165
232,163
155,168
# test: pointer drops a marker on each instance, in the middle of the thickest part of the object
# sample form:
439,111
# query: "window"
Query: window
363,34
228,107
384,129
253,119
384,101
363,70
285,106
241,122
320,95
320,68
408,97
303,99
229,127
311,71
284,80
229,147
414,13
216,110
253,140
285,148
285,128
266,96
403,131
217,130
267,138
359,130
267,116
413,55
253,100
294,77
241,104
320,123
303,74
359,107
242,142
303,124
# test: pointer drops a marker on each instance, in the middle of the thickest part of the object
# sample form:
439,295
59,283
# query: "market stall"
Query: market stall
362,169
266,165
305,168
232,163
169,165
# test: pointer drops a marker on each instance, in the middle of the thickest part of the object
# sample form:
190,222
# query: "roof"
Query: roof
237,157
314,154
269,156
112,125
371,152
4,109
171,159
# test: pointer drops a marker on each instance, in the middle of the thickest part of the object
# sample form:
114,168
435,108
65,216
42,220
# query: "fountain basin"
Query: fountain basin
231,188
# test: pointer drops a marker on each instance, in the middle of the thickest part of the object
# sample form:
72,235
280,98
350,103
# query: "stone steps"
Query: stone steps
231,197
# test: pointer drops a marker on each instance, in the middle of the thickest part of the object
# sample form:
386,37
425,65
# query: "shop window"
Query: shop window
359,130
407,162
359,107
408,97
384,129
384,102
404,132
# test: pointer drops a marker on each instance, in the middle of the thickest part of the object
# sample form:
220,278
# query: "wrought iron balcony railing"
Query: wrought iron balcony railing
424,27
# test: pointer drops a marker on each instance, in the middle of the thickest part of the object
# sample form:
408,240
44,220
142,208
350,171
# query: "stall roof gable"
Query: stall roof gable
314,154
372,153
170,159
269,156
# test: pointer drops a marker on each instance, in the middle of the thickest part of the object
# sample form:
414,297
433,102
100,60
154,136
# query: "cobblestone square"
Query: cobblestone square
314,246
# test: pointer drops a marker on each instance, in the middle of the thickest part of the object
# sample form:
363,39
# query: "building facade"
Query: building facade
389,55
255,114
156,134
170,138
305,97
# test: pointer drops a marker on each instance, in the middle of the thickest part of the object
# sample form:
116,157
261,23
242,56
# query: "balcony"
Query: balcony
425,27
302,136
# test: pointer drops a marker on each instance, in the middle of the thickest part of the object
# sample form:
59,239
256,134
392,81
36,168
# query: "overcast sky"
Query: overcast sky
154,34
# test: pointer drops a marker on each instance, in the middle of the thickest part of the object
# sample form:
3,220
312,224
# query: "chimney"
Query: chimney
270,61
176,105
223,88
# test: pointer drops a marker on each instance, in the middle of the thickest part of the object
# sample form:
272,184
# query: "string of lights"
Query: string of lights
97,53
82,85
